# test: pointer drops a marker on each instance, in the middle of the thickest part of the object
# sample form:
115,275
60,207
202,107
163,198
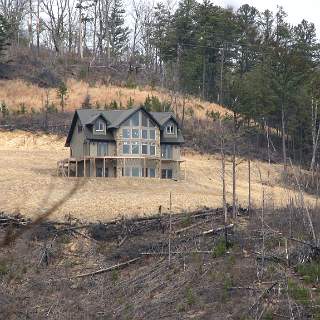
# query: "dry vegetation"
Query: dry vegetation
34,97
29,184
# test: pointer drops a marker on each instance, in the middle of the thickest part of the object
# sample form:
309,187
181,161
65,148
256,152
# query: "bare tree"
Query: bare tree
14,12
56,11
315,131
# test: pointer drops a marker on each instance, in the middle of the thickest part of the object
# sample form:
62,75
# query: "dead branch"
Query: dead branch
115,267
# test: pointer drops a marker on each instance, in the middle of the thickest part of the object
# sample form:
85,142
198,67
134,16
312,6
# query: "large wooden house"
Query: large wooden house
123,143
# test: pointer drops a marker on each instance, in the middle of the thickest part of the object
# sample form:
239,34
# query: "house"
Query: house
123,143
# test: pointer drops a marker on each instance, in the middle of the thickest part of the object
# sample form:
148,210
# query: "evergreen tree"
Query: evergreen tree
118,31
4,33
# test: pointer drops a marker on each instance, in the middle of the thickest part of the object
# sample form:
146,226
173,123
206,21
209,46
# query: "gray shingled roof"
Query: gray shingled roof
114,119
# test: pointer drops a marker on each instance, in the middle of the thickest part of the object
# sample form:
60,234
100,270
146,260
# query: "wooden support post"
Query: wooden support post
144,168
94,167
160,168
124,166
84,167
68,168
77,168
104,167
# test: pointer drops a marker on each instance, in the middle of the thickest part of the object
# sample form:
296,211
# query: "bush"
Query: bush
86,104
220,249
153,103
4,109
299,293
310,272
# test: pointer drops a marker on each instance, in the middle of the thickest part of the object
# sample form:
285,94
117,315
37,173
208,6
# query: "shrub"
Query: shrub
4,269
310,272
190,297
4,109
86,104
298,293
220,249
130,102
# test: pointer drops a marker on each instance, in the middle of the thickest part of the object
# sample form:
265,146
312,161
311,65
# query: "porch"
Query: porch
117,167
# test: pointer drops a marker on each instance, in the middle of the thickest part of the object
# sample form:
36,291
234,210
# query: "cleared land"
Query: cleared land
29,185
33,96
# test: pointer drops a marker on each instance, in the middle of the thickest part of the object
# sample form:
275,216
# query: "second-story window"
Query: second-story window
144,134
135,133
152,134
166,151
126,133
99,126
170,129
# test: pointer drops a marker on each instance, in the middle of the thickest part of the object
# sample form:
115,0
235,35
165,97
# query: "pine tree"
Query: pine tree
4,33
118,31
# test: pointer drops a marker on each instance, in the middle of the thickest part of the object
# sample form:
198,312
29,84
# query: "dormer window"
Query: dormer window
170,129
99,126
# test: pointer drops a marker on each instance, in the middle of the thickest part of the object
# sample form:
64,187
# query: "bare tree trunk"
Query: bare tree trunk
315,131
221,76
30,24
249,187
234,178
284,150
38,27
223,178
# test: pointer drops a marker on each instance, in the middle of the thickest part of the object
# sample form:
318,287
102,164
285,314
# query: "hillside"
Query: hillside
33,97
28,161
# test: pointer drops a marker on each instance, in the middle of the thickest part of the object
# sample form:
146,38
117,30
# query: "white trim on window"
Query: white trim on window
170,129
99,126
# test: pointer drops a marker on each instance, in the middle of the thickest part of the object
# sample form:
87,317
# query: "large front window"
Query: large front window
126,148
166,151
135,148
126,133
102,149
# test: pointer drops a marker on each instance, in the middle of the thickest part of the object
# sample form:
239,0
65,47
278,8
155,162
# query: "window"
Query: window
144,119
135,120
152,134
126,133
152,150
99,126
99,172
102,149
126,148
79,128
166,173
144,149
144,134
136,171
170,129
135,148
135,133
151,172
127,172
166,151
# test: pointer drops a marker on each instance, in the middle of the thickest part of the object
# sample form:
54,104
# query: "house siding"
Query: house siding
77,142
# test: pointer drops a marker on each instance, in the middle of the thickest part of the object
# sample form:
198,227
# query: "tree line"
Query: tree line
256,63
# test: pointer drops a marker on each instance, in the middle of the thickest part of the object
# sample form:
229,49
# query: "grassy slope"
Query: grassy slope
28,164
34,96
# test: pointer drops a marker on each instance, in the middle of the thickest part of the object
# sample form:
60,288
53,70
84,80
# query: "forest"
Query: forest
255,63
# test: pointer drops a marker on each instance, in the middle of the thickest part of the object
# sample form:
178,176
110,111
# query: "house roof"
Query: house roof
114,119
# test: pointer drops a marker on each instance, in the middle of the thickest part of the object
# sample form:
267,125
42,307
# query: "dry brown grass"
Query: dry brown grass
16,92
29,184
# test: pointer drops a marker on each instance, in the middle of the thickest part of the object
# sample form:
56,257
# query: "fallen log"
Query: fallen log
214,231
115,267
